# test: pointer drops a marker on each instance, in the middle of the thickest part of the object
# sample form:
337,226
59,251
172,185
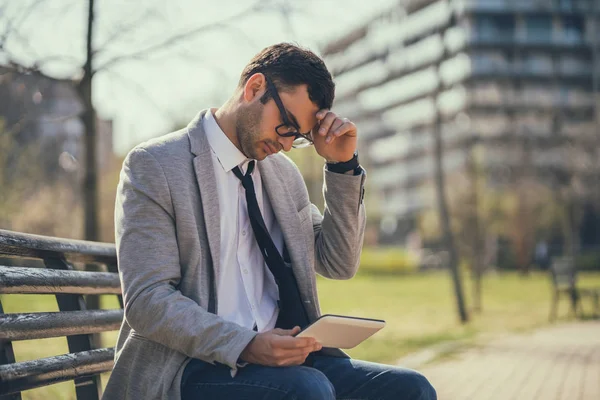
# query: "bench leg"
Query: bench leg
575,304
554,306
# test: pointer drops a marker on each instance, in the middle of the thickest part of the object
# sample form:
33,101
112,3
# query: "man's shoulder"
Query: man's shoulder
289,173
285,164
170,146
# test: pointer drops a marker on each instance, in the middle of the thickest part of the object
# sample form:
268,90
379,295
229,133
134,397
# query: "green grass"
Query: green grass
419,309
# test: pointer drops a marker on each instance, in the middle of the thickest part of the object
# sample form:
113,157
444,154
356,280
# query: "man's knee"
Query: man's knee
312,384
421,388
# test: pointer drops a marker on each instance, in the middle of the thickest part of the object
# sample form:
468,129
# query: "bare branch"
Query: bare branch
173,40
24,45
190,57
15,67
122,30
285,9
15,24
289,8
13,32
142,93
242,35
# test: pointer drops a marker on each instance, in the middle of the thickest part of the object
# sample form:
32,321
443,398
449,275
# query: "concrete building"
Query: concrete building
517,78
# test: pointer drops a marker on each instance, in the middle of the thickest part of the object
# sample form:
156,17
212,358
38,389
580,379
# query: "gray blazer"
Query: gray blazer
168,238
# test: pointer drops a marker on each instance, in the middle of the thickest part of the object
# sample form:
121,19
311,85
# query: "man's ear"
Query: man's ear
255,86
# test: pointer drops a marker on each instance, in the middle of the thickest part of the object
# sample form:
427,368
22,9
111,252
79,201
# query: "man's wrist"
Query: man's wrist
343,167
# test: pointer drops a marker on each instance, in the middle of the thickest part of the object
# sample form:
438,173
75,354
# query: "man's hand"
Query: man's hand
334,137
278,348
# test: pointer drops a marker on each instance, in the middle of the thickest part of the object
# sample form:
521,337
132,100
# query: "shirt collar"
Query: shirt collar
228,155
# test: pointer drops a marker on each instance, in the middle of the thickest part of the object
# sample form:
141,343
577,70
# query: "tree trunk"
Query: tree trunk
523,242
443,213
595,85
478,234
88,117
90,183
573,224
445,219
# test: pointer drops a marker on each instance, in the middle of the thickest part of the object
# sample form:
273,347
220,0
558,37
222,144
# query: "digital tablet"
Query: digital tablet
341,331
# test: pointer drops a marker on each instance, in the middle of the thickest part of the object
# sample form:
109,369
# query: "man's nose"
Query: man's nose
286,142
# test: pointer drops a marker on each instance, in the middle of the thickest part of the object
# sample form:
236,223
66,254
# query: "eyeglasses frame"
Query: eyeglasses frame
286,121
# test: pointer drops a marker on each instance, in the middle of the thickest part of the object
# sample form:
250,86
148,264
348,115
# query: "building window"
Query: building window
496,27
575,95
572,29
566,5
574,65
536,63
490,61
585,5
489,5
575,5
538,28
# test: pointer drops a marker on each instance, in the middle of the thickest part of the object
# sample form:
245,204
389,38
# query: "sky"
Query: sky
150,96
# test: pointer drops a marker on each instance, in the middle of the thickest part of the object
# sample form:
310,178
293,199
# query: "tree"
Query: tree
99,58
444,217
442,202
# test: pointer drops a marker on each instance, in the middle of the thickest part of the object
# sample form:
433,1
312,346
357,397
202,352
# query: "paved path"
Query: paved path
554,363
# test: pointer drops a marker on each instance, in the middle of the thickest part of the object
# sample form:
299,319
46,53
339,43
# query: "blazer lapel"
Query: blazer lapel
284,209
203,166
281,200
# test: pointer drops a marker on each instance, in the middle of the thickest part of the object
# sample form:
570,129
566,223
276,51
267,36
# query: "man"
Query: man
218,246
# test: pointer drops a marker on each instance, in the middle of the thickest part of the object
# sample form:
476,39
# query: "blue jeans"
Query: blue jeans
329,378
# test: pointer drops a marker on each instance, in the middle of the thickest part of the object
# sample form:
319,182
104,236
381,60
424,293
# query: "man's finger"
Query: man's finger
326,123
292,353
346,126
289,342
335,126
286,332
322,113
343,129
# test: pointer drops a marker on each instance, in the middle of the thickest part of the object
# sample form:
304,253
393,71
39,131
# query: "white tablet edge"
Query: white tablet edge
332,319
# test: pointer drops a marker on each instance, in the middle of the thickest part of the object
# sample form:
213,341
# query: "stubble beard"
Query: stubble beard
247,130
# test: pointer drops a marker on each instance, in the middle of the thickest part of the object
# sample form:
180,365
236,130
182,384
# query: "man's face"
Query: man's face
256,123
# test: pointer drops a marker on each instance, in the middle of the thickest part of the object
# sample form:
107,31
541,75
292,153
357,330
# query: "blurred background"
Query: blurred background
478,126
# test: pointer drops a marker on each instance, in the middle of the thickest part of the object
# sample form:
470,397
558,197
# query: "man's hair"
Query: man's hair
288,65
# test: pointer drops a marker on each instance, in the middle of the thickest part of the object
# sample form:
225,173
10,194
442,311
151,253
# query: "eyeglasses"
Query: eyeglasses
288,128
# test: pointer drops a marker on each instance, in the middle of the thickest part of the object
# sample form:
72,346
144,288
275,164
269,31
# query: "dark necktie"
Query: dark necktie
291,309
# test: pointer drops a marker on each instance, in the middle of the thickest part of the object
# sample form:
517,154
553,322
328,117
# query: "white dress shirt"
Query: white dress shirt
246,290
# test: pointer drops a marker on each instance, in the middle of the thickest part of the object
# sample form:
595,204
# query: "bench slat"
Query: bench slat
26,326
51,281
27,245
36,373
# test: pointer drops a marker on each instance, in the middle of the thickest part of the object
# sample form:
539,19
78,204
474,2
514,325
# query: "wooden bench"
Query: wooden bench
48,265
563,272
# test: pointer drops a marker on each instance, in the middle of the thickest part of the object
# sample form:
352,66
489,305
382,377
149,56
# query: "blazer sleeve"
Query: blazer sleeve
150,271
339,232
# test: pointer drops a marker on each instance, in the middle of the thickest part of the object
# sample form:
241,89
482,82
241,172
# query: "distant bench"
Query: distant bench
57,276
563,272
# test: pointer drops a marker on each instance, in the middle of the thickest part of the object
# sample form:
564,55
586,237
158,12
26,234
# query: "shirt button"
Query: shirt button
252,306
245,271
244,232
